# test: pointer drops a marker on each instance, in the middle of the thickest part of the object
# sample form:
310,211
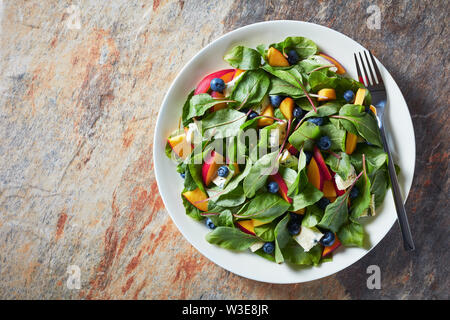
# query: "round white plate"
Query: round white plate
208,60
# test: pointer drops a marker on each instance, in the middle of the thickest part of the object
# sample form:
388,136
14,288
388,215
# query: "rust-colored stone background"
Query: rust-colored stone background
78,110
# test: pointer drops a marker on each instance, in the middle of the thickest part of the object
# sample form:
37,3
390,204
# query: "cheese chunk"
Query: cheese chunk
221,182
230,85
308,237
256,246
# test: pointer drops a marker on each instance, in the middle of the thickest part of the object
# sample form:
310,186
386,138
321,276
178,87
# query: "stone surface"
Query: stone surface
78,108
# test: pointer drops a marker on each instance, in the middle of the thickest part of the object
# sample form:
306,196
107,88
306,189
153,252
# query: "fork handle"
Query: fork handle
408,242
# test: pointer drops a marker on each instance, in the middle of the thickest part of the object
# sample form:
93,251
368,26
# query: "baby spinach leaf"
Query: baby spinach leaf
231,238
223,123
264,207
324,110
250,89
362,202
379,185
342,166
191,211
281,87
309,195
304,46
312,216
336,214
376,157
233,198
281,238
259,173
351,234
295,254
199,104
301,178
267,256
291,75
186,110
243,58
305,135
305,104
266,231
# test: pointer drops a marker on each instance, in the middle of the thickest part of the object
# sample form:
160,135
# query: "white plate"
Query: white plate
208,60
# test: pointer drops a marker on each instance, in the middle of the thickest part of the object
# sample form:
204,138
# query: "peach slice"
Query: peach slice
327,250
326,94
350,143
209,169
313,173
340,68
328,190
321,163
203,85
238,73
283,189
257,223
374,110
268,111
300,211
246,226
180,146
276,58
287,108
359,97
197,197
218,95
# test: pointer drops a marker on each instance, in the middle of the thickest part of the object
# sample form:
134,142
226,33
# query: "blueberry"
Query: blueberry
183,175
210,224
244,110
349,95
309,156
298,113
217,84
252,115
327,239
294,228
324,143
273,187
316,121
354,192
323,203
223,171
295,217
276,100
268,247
293,57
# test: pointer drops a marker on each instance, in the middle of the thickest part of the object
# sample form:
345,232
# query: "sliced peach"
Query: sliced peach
203,85
300,211
350,143
180,146
238,73
209,169
374,110
313,173
327,250
328,190
246,226
359,97
283,189
276,58
218,95
257,223
287,108
340,68
197,197
227,77
321,163
268,111
326,94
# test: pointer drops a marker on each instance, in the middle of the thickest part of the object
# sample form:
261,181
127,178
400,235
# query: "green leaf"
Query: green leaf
259,173
199,104
281,87
291,75
223,123
308,196
304,46
264,207
266,231
376,157
231,238
379,185
342,166
186,110
351,234
295,254
305,134
282,237
250,89
233,198
362,202
336,135
324,110
336,214
191,211
312,216
243,58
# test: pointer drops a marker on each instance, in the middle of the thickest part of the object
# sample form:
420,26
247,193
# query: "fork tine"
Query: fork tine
370,69
358,70
375,67
366,75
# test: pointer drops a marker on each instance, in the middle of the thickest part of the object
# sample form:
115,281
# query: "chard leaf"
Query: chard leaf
303,46
186,110
223,123
312,216
264,207
199,104
304,135
336,135
191,211
259,173
281,238
295,254
250,89
308,196
342,166
362,202
336,214
266,231
351,234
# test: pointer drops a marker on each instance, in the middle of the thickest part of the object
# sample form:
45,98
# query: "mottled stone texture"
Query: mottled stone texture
78,109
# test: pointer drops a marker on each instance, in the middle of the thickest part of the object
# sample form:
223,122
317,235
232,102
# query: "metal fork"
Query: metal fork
379,100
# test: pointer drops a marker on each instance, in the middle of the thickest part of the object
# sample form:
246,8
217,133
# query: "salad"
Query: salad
281,154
